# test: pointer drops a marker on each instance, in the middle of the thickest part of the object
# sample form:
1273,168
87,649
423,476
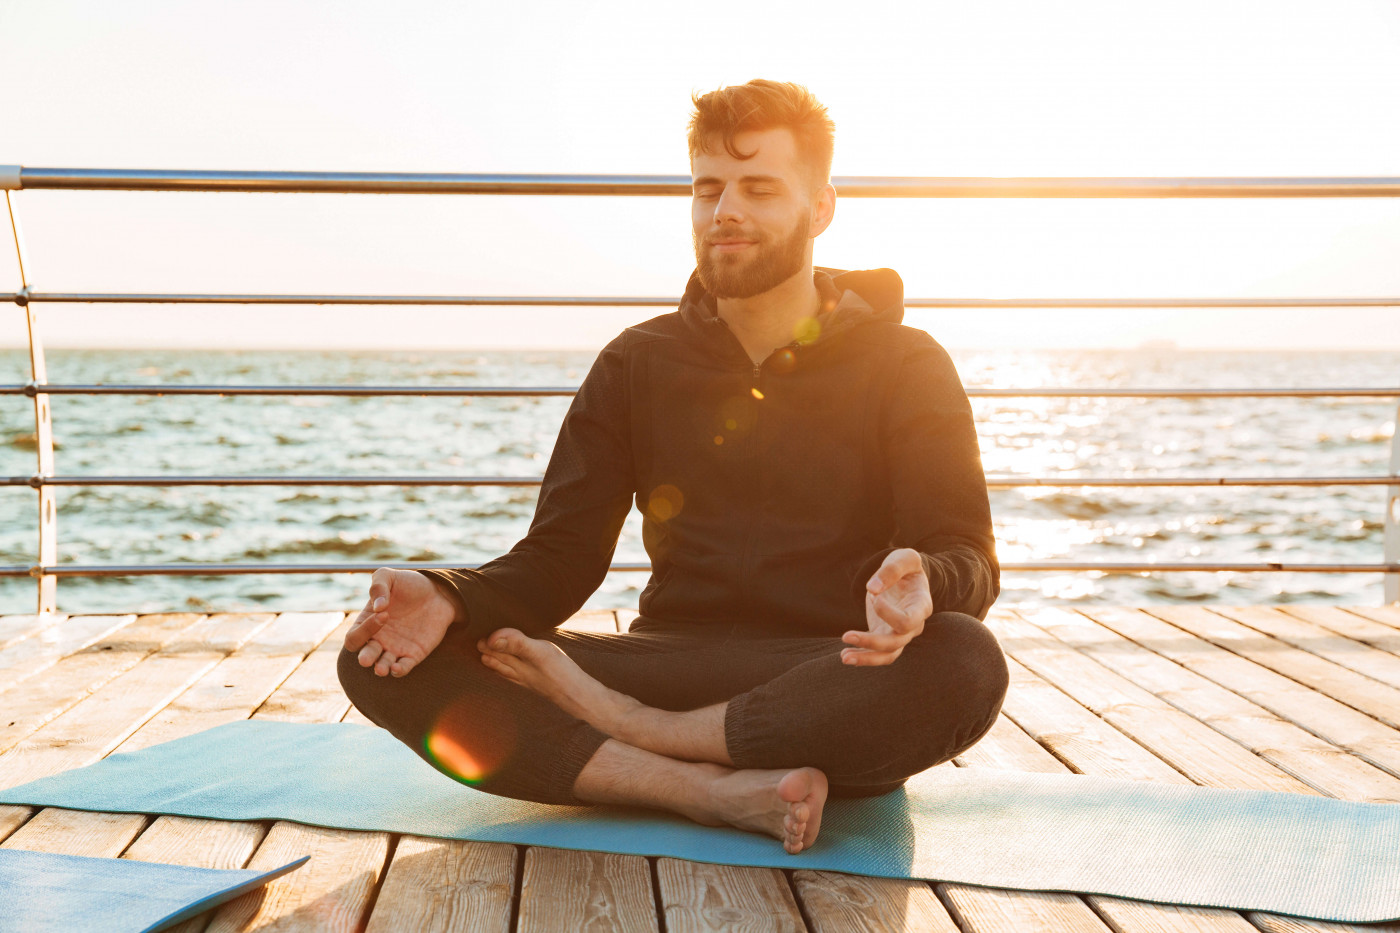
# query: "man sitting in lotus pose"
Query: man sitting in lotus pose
816,516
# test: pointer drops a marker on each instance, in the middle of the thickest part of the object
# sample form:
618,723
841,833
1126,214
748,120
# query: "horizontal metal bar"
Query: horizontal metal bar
176,388
665,301
532,301
218,569
1017,482
227,569
41,481
993,482
341,390
679,185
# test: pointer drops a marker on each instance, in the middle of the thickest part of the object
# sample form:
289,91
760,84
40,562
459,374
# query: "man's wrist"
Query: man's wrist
455,610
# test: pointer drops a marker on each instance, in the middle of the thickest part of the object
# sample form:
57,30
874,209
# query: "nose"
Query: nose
728,209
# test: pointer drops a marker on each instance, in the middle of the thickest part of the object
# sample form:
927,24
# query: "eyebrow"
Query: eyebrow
748,179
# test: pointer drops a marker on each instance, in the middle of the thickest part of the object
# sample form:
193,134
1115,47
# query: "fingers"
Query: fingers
371,618
876,641
366,625
370,653
859,657
902,621
381,585
897,564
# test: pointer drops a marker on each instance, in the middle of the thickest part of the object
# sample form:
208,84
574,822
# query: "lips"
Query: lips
731,246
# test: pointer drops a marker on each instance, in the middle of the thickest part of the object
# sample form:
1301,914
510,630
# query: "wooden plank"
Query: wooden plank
355,716
992,910
75,677
185,840
1272,923
836,903
1359,692
186,638
241,682
1350,625
77,832
1177,642
102,721
444,885
1126,916
1386,615
312,693
700,898
592,620
594,891
12,818
346,865
329,894
1007,747
1194,749
44,649
1314,639
19,627
1320,764
1357,733
220,843
189,639
1076,736
1123,916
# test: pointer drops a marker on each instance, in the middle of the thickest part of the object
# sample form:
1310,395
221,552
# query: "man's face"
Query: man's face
753,219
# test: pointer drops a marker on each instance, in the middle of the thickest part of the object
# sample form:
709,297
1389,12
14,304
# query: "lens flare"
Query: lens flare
665,502
471,739
807,330
783,361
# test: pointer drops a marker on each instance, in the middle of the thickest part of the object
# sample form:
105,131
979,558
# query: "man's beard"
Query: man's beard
766,266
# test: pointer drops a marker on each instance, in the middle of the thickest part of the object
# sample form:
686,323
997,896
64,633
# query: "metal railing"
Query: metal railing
45,480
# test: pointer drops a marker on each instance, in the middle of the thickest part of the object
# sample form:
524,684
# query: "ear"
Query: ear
823,209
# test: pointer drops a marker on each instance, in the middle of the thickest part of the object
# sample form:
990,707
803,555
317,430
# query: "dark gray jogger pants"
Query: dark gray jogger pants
792,703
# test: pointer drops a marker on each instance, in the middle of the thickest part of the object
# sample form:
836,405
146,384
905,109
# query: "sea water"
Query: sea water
1060,437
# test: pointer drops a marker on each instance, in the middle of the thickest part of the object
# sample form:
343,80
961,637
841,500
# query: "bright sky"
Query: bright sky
992,88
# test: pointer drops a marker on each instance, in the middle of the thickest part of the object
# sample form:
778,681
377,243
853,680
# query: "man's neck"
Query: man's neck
771,320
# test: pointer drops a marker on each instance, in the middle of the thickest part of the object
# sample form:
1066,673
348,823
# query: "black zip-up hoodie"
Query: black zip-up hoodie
770,494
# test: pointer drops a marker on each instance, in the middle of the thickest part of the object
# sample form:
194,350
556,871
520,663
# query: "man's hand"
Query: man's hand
403,621
897,604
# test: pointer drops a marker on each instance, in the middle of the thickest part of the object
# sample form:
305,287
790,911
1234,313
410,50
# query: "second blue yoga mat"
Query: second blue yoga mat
1248,850
43,892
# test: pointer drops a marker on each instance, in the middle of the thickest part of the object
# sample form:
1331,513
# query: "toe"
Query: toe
506,639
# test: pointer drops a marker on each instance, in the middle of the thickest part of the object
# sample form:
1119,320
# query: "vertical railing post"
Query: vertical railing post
1391,587
43,428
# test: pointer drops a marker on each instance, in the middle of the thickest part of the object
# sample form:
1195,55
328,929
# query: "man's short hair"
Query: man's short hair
763,105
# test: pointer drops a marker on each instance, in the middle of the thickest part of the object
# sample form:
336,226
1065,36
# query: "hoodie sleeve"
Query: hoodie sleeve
938,490
585,497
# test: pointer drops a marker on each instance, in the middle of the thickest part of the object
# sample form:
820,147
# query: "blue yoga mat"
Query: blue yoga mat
1248,850
45,892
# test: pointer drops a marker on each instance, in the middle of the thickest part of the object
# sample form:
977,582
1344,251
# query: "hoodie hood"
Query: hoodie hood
849,299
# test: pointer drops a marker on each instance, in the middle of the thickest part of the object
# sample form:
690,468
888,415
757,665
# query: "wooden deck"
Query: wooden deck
1298,698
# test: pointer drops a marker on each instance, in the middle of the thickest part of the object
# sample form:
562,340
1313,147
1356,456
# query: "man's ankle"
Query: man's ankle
634,723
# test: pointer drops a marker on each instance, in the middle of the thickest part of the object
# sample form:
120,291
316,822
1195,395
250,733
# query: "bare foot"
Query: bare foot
543,667
786,805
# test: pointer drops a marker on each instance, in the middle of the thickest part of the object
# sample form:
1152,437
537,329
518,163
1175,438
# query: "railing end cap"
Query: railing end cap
9,177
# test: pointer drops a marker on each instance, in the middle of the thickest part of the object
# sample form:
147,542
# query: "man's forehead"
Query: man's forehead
774,154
